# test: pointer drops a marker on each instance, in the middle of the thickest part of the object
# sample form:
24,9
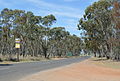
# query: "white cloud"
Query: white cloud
68,14
59,10
70,24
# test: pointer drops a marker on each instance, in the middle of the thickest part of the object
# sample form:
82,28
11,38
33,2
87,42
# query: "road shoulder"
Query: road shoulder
83,71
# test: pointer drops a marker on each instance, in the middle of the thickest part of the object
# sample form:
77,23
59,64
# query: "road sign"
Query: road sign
17,40
17,45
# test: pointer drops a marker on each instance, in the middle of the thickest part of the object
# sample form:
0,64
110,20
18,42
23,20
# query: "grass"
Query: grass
33,59
105,63
26,59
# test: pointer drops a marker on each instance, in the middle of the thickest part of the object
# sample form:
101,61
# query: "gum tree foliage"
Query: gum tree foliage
101,26
38,39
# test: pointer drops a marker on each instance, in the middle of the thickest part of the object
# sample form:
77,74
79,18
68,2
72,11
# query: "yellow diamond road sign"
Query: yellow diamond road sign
17,45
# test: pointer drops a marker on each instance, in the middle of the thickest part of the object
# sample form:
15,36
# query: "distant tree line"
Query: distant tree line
100,27
37,37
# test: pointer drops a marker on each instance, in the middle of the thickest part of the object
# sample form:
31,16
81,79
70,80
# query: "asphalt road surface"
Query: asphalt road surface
14,72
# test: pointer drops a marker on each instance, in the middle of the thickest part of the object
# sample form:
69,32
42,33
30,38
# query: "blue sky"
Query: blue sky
67,12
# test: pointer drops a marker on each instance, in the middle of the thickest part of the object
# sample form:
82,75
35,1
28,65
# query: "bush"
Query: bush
13,59
1,60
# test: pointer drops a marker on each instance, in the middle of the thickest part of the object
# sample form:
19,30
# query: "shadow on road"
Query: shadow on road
6,64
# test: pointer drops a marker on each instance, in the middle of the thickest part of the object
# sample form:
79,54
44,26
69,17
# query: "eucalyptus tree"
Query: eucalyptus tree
18,24
97,26
73,45
57,35
30,33
47,21
115,41
36,35
6,22
62,43
101,29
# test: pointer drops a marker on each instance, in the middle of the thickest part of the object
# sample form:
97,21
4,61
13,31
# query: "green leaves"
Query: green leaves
101,24
48,20
37,38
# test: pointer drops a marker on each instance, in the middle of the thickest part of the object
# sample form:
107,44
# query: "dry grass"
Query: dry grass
22,60
105,63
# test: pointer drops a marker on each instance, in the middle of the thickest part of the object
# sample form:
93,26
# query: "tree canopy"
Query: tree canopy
37,37
101,26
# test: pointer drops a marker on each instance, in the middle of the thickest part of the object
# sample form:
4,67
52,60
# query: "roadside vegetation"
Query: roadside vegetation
101,29
103,62
38,39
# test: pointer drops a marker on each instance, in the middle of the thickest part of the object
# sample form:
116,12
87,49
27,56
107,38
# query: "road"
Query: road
15,72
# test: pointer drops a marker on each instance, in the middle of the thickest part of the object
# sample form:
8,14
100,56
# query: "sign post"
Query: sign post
17,46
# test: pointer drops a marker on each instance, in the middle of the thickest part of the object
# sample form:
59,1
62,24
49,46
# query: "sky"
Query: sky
67,12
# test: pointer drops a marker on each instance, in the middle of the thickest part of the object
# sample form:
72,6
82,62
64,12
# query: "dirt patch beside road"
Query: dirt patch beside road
83,71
